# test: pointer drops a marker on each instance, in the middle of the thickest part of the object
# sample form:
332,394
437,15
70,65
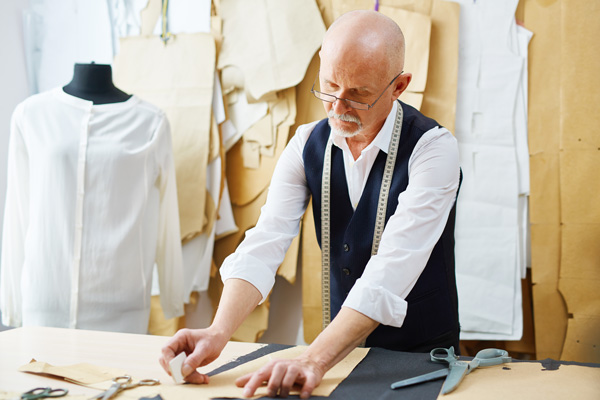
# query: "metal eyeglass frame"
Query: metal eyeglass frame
350,103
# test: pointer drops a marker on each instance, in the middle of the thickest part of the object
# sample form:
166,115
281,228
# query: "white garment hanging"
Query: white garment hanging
91,207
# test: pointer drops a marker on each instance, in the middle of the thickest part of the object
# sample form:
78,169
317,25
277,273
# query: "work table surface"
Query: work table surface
138,355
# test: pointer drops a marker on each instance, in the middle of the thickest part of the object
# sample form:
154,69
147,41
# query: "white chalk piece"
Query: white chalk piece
175,367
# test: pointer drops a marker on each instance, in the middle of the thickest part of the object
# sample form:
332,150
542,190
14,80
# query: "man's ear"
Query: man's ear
401,84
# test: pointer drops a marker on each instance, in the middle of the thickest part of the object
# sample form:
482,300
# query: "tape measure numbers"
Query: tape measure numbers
380,218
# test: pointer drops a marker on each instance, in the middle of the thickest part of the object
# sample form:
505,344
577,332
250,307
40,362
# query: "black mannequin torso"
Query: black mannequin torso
94,82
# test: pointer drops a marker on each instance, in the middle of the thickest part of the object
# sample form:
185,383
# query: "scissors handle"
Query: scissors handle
443,355
147,382
487,357
42,392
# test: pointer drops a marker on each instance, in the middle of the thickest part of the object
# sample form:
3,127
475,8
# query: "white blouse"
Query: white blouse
409,235
91,206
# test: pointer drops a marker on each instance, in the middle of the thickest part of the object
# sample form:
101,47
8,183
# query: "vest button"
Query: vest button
346,247
346,271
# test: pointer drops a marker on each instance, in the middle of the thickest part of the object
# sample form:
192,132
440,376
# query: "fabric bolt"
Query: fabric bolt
430,175
91,207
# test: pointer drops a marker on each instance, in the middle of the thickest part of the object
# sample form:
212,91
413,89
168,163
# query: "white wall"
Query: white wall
13,79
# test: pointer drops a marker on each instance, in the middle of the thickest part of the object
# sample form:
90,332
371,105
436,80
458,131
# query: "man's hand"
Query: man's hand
202,347
282,375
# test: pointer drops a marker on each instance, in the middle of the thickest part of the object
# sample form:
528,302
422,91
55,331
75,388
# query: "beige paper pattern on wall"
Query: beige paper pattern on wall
565,157
179,79
274,50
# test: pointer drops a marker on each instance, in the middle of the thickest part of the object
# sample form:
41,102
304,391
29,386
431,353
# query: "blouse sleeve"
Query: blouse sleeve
168,255
16,221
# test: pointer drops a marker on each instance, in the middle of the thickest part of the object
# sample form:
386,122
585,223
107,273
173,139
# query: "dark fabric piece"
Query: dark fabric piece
372,377
432,315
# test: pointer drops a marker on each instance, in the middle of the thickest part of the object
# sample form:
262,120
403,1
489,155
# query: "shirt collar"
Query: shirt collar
382,140
64,97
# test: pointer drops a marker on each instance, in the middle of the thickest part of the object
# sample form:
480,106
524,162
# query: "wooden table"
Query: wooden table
138,355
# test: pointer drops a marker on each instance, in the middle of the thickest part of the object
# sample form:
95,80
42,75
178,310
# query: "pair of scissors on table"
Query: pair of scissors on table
43,392
457,369
121,383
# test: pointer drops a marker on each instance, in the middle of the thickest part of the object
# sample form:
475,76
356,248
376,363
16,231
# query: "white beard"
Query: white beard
347,118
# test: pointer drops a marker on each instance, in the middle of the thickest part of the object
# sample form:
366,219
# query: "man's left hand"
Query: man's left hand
282,375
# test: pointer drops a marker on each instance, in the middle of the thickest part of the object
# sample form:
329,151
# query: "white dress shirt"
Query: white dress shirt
91,207
409,236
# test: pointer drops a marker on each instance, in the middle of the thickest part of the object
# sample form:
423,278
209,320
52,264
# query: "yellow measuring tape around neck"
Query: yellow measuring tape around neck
386,182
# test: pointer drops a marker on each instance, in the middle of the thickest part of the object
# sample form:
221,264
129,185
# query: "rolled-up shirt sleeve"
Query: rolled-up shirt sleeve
263,249
411,232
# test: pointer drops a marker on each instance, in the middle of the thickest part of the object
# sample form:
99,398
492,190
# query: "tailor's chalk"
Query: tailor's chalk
175,367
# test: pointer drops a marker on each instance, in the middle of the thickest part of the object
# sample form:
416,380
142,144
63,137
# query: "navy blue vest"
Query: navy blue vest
432,316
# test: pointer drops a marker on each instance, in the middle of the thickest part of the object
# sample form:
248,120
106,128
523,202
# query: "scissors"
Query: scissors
456,370
41,392
121,383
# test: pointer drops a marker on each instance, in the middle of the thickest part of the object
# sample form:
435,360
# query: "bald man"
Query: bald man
399,294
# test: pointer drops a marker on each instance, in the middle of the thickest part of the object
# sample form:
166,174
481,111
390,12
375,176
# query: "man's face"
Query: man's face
363,87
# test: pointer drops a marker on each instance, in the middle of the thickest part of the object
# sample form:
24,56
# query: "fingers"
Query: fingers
278,373
311,382
281,376
195,345
242,380
255,380
196,377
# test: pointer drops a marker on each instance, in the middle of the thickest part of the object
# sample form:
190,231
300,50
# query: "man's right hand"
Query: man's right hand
202,346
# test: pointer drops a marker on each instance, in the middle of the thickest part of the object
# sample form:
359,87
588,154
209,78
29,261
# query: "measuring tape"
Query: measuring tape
386,182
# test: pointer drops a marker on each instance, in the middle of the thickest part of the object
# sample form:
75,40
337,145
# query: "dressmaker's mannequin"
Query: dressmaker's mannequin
94,82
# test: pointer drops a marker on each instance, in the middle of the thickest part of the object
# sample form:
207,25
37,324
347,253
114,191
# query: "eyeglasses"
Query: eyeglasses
350,103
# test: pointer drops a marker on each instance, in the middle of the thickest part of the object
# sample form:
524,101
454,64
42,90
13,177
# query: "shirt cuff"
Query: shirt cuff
377,303
250,269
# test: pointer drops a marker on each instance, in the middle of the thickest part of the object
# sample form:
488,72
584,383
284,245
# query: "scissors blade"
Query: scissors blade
457,372
421,378
114,389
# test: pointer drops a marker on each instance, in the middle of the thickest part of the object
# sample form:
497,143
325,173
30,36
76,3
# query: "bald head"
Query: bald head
365,39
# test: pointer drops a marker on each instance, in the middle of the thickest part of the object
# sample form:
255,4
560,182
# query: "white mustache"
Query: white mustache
345,118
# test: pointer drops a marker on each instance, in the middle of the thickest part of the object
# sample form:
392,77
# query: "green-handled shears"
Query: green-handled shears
43,392
457,369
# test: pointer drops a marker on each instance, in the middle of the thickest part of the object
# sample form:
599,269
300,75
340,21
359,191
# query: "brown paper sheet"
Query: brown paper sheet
544,198
246,184
579,162
158,325
543,19
579,197
545,249
528,381
223,384
550,313
553,319
579,79
581,342
580,254
81,374
178,78
439,98
262,49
